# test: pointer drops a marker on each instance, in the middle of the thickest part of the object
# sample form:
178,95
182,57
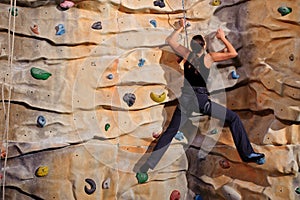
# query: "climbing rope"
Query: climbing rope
185,24
11,42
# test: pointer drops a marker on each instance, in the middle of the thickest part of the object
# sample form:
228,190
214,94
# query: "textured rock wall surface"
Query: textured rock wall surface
99,51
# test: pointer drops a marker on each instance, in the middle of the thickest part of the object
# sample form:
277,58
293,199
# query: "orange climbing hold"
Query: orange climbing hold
35,29
175,195
3,154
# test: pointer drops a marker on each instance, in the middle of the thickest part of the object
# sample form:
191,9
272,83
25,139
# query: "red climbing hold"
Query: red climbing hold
175,195
224,164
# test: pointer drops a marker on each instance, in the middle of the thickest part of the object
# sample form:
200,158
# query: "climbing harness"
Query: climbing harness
185,24
13,4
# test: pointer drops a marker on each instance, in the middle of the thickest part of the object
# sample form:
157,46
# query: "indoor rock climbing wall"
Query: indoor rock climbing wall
86,86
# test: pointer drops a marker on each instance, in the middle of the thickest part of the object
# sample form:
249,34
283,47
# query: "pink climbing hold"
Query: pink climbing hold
67,4
175,195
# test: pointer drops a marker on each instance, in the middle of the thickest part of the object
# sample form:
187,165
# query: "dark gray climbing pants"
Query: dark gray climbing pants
197,100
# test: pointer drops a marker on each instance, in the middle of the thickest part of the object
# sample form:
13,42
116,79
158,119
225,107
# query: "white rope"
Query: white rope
185,24
11,43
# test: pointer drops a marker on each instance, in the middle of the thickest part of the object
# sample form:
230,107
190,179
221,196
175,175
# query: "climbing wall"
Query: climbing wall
87,87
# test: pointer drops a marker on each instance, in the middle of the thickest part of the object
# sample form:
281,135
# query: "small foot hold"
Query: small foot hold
3,154
261,161
142,177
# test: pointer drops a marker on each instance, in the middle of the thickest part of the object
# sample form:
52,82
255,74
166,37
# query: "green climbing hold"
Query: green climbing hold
297,190
141,177
107,126
284,10
39,73
14,11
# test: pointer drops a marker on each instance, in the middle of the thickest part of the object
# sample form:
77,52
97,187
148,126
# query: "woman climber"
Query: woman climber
196,70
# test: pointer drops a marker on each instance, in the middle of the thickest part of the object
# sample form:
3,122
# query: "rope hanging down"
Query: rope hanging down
185,24
13,4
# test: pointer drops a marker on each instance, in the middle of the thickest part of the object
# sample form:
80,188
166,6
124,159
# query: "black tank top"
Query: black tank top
195,71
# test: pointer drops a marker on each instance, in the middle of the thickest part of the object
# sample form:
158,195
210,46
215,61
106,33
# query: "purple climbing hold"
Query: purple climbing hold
97,25
60,29
129,98
234,75
159,3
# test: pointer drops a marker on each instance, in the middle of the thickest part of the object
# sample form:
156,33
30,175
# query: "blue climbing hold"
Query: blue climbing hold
179,136
198,197
234,75
214,131
141,62
110,76
261,161
60,29
153,22
97,25
159,3
284,10
129,98
41,121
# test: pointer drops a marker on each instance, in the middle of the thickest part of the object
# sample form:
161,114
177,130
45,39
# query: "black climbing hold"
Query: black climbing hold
283,10
41,121
61,8
97,25
129,98
159,3
90,190
297,190
292,57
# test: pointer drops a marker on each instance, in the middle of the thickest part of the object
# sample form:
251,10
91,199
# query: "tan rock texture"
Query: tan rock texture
93,69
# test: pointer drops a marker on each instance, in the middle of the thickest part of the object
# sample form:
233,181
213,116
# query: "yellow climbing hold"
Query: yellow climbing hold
42,171
216,2
158,97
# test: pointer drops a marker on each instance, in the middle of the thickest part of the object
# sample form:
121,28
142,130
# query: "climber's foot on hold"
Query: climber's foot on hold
258,158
